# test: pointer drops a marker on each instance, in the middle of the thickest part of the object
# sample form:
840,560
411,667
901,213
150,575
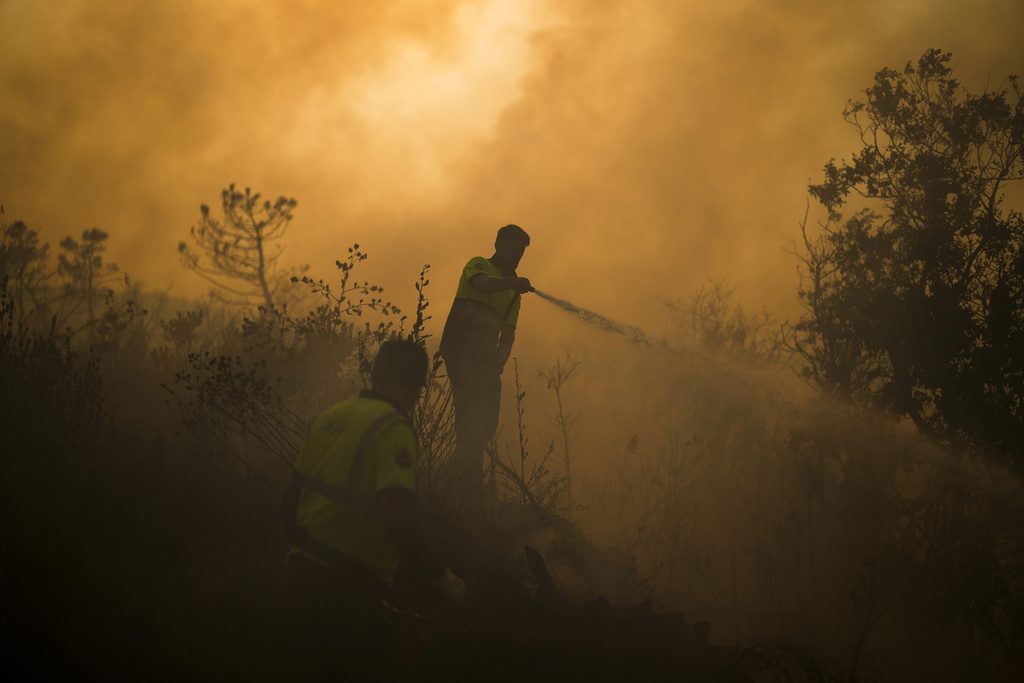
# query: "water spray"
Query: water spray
605,324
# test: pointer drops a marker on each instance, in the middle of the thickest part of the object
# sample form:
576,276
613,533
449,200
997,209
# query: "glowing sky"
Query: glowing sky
647,146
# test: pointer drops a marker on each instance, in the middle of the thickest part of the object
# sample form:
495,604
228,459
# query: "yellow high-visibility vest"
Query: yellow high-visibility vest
353,450
505,304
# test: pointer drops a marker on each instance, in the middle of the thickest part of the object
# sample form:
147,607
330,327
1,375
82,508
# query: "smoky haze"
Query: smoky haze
646,147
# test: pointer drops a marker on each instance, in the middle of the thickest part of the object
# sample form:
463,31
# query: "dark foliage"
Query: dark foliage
915,302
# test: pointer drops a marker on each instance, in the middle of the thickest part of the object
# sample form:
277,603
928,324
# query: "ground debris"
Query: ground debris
545,634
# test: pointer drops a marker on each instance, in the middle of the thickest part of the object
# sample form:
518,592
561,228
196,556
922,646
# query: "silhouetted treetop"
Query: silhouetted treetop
916,300
233,252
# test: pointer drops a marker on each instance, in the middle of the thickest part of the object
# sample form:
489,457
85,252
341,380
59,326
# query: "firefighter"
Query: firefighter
476,344
354,517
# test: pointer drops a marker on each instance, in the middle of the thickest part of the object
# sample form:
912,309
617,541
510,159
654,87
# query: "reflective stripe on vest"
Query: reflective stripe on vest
355,472
335,493
349,494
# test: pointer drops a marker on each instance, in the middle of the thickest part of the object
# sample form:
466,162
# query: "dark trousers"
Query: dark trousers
476,393
339,620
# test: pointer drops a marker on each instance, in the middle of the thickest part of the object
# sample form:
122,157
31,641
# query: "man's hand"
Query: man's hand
489,285
451,587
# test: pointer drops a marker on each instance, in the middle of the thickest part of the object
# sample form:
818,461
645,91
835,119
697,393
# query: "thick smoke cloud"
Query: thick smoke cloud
129,115
646,146
656,148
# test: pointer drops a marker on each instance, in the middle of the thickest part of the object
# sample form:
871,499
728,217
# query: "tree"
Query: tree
240,259
23,266
83,267
914,302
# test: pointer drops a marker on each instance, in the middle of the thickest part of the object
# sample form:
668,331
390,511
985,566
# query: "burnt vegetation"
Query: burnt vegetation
870,532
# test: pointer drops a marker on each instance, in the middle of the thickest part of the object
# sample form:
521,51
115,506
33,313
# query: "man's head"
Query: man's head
399,371
510,244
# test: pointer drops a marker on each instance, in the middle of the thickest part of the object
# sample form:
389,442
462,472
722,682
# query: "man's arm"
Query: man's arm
396,508
505,341
489,285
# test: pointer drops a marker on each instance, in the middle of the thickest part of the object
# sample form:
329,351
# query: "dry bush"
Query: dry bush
780,514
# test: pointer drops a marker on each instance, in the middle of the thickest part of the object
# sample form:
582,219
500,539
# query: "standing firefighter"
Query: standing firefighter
476,344
354,517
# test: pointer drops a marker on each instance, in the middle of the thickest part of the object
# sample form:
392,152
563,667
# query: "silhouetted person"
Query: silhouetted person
476,344
354,515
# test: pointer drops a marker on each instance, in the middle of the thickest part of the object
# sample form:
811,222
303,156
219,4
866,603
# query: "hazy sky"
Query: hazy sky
646,146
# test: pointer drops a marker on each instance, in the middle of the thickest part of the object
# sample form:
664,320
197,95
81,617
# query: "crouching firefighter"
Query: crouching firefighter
354,517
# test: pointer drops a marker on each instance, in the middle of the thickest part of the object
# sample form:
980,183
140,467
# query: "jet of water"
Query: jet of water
634,334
